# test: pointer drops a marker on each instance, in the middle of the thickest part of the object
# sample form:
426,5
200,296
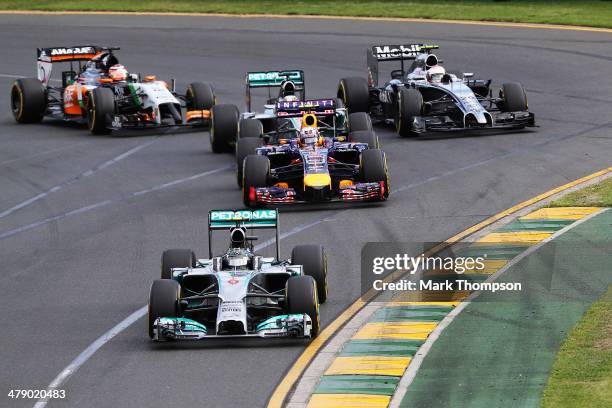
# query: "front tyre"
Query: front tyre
176,258
359,121
256,172
314,260
244,147
355,94
28,100
374,169
250,128
163,301
514,97
301,292
409,105
223,128
100,107
365,136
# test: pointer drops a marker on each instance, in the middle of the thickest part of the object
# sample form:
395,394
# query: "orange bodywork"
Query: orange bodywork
197,114
71,99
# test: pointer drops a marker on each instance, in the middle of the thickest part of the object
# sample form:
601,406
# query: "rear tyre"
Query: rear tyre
250,128
256,170
223,128
355,93
409,105
200,96
301,292
28,100
176,258
163,301
314,261
244,147
365,136
100,107
515,99
360,121
374,169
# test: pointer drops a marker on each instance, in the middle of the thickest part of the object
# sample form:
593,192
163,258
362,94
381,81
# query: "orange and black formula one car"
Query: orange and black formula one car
97,90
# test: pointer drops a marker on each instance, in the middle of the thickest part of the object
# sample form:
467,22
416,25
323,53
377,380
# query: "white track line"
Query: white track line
74,179
418,358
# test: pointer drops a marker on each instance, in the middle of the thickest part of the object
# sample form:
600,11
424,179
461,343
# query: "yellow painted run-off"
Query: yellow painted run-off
348,401
314,17
561,213
518,237
395,330
370,365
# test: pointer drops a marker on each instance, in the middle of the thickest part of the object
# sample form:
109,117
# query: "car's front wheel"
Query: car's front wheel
314,260
163,301
301,293
256,172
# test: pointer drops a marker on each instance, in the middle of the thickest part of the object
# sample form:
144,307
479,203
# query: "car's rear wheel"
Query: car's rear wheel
200,96
360,121
314,260
163,301
355,93
514,96
409,105
245,147
28,100
374,169
100,107
176,258
365,136
223,128
301,292
256,171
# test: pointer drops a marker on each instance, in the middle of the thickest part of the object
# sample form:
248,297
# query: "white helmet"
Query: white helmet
309,136
435,73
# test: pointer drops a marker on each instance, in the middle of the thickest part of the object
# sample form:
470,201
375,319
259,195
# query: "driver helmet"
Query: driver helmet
91,75
435,73
287,89
309,136
117,73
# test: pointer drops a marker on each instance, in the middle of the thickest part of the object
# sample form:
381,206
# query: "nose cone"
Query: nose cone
317,180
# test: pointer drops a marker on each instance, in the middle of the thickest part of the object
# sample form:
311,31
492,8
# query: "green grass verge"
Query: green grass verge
594,13
582,373
597,195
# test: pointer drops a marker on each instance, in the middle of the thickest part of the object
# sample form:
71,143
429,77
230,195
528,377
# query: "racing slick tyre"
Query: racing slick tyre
244,147
250,128
28,100
223,128
359,121
515,99
200,96
355,94
256,170
176,258
314,261
365,136
163,301
409,105
100,106
301,292
374,169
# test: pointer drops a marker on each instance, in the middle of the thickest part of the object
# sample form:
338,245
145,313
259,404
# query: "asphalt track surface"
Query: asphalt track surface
84,219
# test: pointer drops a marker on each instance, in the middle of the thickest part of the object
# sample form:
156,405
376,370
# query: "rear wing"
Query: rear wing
319,107
386,53
46,57
254,219
273,79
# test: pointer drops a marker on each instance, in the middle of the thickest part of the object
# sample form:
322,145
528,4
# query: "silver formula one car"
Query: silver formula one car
238,293
424,97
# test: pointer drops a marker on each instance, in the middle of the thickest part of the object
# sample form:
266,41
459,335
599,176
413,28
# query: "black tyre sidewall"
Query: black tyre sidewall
515,99
256,170
365,136
355,93
244,147
163,301
374,168
100,104
359,121
314,260
29,97
200,96
410,104
302,299
250,128
176,258
224,128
